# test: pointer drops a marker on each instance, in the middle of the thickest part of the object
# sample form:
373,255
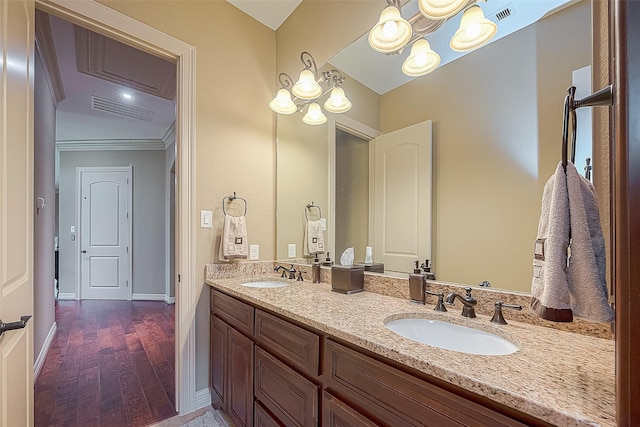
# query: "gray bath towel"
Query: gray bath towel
550,285
569,255
587,263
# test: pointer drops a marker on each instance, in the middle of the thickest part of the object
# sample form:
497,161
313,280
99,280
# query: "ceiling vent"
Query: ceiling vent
109,106
503,13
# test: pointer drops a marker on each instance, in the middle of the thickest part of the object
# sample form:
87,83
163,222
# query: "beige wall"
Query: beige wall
44,222
235,130
497,116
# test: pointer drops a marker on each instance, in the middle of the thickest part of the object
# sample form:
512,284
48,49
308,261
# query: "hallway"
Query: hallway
111,363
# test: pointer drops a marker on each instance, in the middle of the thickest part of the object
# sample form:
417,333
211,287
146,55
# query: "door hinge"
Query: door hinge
127,214
178,278
127,181
127,282
127,249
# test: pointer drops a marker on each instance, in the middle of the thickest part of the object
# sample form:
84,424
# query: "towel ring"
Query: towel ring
311,206
231,199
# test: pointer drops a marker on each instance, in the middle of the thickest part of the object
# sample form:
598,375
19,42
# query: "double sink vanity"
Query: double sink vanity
287,352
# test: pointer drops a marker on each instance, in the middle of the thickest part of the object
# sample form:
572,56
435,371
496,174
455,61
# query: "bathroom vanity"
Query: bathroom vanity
303,355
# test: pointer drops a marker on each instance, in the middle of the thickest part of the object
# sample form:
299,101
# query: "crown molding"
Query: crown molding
111,145
169,136
47,52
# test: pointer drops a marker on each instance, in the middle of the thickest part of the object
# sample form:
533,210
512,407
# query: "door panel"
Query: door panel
402,194
105,233
16,210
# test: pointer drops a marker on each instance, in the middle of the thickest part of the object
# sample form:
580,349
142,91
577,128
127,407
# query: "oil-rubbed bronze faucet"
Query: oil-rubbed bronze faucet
285,270
468,302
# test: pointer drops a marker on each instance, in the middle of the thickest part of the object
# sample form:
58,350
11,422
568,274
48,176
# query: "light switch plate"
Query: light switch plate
206,219
292,250
254,252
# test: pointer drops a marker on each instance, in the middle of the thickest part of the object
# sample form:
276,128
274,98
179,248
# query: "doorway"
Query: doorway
95,16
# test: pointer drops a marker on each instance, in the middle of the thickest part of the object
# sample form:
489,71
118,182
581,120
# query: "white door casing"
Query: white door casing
105,217
16,210
402,175
102,19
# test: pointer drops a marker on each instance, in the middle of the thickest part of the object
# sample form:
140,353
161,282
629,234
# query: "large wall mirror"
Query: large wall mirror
496,117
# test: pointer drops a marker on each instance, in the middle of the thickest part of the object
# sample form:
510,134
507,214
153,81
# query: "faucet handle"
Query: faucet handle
440,304
300,279
498,318
284,274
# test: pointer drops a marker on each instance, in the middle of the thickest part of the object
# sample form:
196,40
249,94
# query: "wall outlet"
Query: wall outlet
206,219
254,252
292,250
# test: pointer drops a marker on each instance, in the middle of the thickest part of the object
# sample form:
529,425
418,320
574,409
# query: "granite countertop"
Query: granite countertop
560,377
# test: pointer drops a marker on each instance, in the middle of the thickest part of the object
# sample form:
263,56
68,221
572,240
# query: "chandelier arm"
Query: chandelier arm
285,80
309,63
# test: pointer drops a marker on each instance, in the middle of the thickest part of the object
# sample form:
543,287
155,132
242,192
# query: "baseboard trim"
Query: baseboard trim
169,300
67,295
37,367
203,398
148,297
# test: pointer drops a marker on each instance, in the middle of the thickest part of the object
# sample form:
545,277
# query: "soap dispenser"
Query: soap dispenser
417,285
426,267
315,270
327,262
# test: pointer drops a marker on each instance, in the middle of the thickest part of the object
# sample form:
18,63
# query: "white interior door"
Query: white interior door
16,210
105,233
402,194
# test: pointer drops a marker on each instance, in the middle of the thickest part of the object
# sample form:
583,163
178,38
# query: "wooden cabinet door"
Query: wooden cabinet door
240,397
219,362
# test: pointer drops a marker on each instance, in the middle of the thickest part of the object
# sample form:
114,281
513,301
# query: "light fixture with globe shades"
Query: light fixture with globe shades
392,32
310,87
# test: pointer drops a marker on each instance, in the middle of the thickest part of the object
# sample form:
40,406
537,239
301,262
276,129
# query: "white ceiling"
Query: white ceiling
271,13
77,121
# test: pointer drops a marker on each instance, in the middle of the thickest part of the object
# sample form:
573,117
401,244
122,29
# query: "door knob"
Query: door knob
14,325
84,251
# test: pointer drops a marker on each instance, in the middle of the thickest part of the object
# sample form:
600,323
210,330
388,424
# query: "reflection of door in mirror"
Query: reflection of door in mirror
402,192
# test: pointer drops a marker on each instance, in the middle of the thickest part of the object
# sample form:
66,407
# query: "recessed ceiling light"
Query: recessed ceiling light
127,96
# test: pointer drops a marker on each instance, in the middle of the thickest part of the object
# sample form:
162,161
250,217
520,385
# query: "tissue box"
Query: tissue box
374,267
347,279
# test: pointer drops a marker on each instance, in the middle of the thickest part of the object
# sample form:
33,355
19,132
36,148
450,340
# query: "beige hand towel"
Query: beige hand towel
587,263
550,287
233,242
313,238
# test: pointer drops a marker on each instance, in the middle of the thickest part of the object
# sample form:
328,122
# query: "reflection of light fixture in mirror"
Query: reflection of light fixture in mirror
282,103
127,96
475,30
309,88
391,33
314,115
422,59
337,102
441,9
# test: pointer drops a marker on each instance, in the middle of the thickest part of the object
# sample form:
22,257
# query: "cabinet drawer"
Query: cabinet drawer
236,313
397,398
289,396
336,413
296,345
262,418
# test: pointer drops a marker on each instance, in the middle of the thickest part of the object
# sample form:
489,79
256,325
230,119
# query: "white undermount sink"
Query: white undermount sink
450,336
265,284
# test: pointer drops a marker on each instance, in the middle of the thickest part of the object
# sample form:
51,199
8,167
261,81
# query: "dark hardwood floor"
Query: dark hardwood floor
111,364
